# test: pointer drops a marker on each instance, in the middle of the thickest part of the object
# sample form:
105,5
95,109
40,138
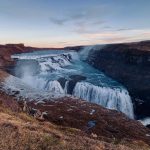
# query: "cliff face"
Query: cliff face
9,49
129,64
6,51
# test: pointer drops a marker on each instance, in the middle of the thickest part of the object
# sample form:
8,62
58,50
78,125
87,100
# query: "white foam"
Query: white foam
145,121
50,62
13,84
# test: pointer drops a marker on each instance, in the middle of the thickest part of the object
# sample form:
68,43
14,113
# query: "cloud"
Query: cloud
104,37
107,27
85,30
119,36
124,29
87,15
58,21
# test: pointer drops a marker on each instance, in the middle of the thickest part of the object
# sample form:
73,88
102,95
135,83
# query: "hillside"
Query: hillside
20,131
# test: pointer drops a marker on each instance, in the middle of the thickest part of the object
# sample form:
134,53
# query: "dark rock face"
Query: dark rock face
62,82
129,64
76,48
72,82
77,77
148,126
73,79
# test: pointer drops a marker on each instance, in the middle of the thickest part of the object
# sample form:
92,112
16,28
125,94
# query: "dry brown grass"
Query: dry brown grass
19,131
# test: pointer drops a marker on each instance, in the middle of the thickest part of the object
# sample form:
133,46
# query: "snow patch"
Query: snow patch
92,112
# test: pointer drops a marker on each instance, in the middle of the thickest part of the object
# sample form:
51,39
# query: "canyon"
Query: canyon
68,87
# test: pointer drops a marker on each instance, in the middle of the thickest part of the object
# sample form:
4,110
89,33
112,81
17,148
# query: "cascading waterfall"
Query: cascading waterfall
97,88
117,99
54,87
49,62
54,63
44,84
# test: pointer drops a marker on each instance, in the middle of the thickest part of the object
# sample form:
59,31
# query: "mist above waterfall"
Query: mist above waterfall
65,72
87,49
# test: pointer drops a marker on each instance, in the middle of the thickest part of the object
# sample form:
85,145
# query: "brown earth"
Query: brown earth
20,131
77,113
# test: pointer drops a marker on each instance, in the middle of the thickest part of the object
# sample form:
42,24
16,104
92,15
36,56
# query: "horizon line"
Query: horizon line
73,45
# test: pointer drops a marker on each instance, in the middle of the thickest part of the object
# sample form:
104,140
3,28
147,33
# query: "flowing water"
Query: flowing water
65,72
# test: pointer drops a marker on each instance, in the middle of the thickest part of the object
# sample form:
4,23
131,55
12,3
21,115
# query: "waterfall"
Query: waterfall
48,62
111,98
66,87
54,87
117,99
44,69
54,63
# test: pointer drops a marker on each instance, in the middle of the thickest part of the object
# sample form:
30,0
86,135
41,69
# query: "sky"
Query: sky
59,23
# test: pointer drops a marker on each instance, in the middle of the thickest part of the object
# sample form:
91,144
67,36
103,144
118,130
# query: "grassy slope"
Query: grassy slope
18,131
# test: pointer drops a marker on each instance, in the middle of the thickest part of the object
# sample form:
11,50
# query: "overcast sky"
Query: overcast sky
58,23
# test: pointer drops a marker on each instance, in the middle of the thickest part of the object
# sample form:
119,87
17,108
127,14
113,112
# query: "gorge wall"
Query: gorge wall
129,64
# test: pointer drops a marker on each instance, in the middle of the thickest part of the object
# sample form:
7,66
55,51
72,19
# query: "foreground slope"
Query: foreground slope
20,131
66,123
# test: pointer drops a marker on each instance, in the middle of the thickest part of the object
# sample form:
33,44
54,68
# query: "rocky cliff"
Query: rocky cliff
9,49
129,64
